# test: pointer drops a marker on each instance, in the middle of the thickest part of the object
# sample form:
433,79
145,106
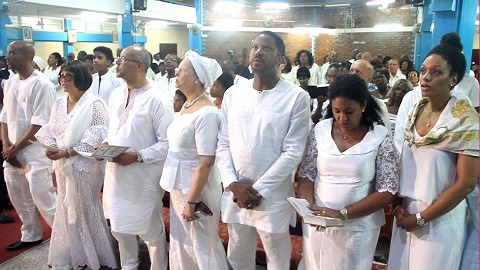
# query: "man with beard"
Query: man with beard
263,132
167,83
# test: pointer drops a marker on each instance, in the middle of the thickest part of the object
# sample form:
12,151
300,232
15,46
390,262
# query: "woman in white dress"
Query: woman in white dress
439,169
78,123
54,62
349,172
189,173
395,96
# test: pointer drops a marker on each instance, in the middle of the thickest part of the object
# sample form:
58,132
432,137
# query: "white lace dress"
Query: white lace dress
340,179
88,240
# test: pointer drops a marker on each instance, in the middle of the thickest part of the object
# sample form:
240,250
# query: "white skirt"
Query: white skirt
196,244
336,248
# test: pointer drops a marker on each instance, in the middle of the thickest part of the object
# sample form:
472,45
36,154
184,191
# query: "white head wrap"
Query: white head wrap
40,63
207,69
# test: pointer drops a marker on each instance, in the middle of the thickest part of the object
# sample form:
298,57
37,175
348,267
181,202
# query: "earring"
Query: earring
196,82
451,86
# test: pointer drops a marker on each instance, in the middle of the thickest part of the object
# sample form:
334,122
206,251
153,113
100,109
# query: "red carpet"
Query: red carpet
10,233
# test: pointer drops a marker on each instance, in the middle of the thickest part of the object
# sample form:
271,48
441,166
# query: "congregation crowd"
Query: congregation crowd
227,140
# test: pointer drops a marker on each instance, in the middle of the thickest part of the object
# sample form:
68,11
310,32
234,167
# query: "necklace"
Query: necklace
74,100
430,118
193,102
435,114
344,135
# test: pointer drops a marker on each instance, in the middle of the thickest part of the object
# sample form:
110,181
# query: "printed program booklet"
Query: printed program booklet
106,151
300,205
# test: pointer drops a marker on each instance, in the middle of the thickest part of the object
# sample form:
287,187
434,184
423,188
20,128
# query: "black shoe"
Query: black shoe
8,205
4,218
20,244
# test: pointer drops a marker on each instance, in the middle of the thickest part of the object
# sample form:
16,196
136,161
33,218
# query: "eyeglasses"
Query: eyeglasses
412,75
67,77
181,71
122,60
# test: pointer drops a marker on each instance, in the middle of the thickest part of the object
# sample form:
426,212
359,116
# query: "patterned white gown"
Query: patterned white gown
87,241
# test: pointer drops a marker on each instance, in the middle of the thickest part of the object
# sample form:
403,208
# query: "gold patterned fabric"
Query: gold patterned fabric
456,129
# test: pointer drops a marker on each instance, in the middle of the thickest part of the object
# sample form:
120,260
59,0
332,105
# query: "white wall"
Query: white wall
89,46
44,49
475,40
170,12
156,36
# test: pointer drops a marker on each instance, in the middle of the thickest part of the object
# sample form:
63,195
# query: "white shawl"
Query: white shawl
81,120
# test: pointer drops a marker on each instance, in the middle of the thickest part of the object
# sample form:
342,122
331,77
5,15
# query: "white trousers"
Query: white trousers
32,190
155,239
196,244
242,247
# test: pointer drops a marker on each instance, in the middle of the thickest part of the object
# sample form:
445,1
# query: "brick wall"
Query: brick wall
394,44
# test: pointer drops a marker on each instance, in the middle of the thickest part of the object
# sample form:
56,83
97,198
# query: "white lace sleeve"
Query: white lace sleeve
309,162
386,166
97,132
45,136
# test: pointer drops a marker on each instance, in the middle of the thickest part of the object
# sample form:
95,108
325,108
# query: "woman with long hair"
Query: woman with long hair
395,96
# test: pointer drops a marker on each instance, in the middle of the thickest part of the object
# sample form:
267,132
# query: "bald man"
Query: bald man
28,100
132,198
365,71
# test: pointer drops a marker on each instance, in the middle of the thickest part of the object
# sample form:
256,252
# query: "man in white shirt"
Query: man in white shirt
167,83
156,59
365,70
139,117
28,100
395,73
469,87
103,82
264,126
